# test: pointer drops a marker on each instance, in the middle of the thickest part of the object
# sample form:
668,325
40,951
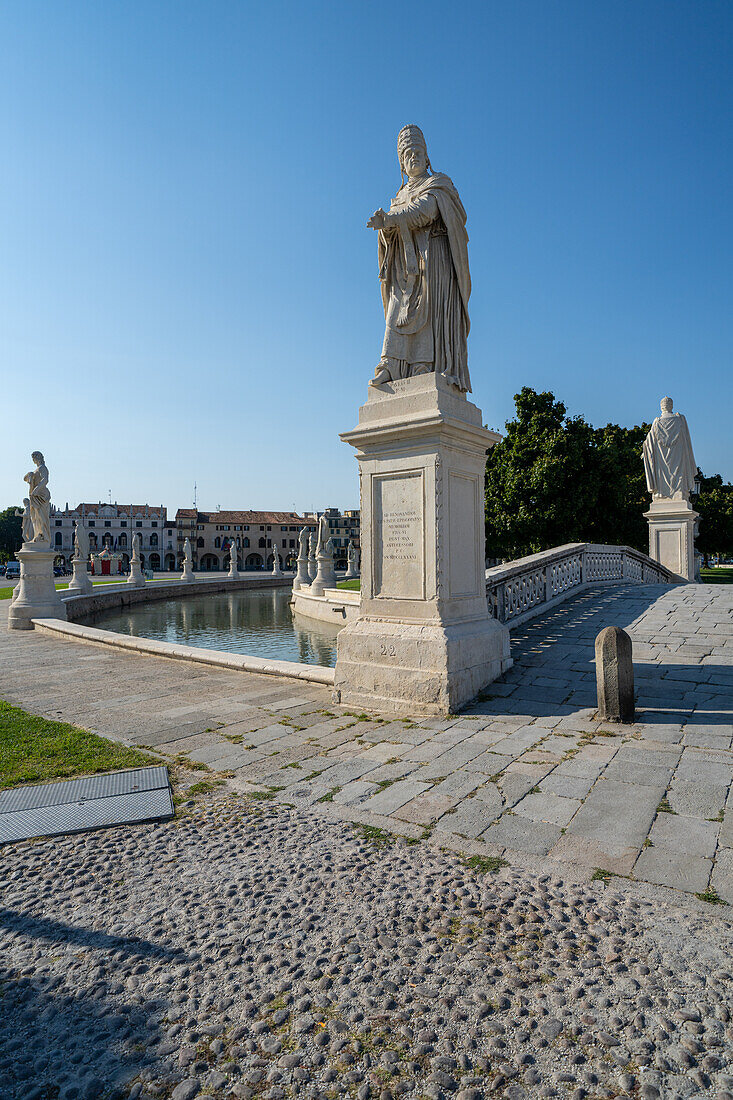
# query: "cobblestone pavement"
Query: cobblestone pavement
247,949
526,773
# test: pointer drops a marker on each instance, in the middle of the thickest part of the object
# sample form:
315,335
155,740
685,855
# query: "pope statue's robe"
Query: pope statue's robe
426,284
669,463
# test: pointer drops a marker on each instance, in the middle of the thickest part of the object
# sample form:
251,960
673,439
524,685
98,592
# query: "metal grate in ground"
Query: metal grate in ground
118,798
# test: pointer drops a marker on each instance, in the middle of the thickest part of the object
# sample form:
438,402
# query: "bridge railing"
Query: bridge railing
520,589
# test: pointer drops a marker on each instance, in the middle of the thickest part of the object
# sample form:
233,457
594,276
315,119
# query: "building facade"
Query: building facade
255,535
112,526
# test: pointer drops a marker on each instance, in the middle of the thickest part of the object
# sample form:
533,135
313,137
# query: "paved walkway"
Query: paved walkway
525,773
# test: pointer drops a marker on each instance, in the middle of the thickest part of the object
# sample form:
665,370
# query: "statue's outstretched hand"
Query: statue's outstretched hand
377,220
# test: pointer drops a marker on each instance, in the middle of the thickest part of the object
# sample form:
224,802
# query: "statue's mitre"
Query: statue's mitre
410,135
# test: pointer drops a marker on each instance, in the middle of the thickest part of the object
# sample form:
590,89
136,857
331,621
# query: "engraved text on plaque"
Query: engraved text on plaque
398,526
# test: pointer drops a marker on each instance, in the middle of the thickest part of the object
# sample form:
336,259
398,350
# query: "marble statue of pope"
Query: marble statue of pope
423,269
669,463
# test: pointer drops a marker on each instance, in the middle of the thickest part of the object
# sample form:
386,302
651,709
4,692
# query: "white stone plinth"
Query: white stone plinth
36,596
136,578
233,573
424,642
80,581
672,535
187,573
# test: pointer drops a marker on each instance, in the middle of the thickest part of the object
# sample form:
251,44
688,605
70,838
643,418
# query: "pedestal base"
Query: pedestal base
424,642
672,526
188,573
81,582
405,668
136,578
233,574
36,596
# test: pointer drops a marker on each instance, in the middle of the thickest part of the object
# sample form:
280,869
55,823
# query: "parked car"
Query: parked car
12,570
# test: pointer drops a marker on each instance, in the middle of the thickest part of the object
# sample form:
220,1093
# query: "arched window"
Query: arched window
246,543
217,542
153,540
262,544
122,540
59,538
92,541
199,543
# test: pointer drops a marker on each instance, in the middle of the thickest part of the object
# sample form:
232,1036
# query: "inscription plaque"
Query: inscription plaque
670,550
398,524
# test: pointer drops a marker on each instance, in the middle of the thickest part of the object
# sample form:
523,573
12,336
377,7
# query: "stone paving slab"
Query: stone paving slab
506,774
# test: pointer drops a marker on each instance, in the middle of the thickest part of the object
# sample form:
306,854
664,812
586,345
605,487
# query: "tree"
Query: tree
715,505
11,536
555,479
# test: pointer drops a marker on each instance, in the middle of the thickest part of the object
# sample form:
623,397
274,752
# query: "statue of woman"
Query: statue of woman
40,500
81,542
423,268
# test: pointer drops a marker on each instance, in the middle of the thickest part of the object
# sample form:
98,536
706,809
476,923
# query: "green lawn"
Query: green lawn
355,585
724,575
35,749
6,593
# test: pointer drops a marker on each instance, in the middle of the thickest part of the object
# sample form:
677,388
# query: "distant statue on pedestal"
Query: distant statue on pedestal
233,571
35,595
669,463
136,577
276,570
352,557
302,577
39,501
312,564
188,573
80,581
670,469
423,268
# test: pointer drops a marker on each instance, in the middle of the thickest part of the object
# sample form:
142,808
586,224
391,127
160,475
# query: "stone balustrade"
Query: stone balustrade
518,590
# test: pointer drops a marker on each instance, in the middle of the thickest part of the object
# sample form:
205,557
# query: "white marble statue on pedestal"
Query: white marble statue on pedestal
301,576
233,571
81,581
325,576
352,557
423,269
424,641
669,463
276,570
188,573
312,563
35,595
136,577
39,501
670,469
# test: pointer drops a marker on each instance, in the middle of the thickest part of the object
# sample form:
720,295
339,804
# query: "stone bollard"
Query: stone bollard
614,675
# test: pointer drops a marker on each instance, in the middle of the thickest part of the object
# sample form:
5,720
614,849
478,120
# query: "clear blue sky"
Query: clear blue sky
189,292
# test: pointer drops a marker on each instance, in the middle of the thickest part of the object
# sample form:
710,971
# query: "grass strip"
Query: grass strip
33,750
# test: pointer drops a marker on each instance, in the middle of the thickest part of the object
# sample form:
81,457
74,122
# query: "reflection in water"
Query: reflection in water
255,622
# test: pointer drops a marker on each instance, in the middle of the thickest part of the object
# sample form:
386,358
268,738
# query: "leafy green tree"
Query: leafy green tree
715,505
11,536
542,480
554,479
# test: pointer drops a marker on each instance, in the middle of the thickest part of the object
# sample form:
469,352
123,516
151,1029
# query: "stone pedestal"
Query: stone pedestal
276,570
35,596
302,577
424,642
672,535
325,576
188,573
136,578
233,573
81,582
